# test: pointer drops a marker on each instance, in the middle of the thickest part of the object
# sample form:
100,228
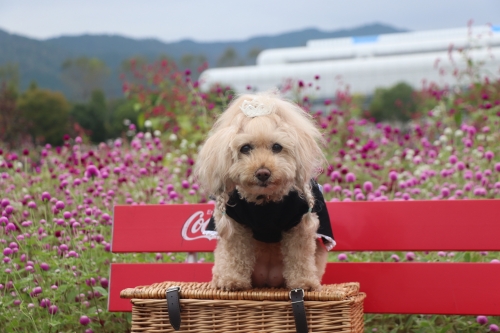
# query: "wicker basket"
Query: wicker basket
337,308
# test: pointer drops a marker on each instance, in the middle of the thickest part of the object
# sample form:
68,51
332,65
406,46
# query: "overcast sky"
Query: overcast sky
223,20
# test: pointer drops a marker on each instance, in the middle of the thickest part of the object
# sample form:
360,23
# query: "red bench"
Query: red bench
404,288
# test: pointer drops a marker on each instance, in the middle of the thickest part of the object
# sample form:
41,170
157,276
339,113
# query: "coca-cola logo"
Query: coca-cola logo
195,226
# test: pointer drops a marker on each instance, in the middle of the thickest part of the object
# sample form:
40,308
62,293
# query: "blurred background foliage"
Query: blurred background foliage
158,96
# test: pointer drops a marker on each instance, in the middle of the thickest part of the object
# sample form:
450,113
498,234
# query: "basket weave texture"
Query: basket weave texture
336,308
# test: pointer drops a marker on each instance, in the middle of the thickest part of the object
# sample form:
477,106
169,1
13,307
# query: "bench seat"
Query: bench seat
465,288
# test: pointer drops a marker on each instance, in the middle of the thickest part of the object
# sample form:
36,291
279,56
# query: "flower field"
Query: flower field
56,202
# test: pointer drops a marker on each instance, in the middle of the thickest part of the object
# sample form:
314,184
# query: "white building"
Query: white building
365,63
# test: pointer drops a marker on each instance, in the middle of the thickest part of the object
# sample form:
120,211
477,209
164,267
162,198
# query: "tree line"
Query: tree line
43,116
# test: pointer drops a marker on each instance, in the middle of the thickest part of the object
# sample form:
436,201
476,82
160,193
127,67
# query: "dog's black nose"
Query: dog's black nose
263,174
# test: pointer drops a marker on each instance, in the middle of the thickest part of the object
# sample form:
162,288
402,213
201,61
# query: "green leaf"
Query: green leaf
103,291
137,107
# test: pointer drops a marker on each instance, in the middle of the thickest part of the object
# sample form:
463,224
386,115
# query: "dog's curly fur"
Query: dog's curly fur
221,167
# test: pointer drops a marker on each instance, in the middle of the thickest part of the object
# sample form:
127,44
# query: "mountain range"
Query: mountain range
41,60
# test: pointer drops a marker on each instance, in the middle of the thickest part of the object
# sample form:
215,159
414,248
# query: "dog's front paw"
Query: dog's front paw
230,284
306,284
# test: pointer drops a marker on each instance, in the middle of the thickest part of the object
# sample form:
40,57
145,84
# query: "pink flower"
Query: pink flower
393,175
410,256
482,320
53,309
350,177
342,257
84,320
489,155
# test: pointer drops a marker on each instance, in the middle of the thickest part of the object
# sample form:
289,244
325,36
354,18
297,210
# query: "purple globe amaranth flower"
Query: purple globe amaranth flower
497,167
84,320
335,175
92,171
9,209
368,186
32,205
342,257
489,155
60,205
45,302
53,309
350,177
67,215
327,188
90,282
7,251
410,256
44,266
104,283
493,328
482,320
445,192
453,159
395,257
393,175
37,290
46,196
3,220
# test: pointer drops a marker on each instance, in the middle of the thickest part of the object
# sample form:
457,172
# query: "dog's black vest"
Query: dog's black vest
269,220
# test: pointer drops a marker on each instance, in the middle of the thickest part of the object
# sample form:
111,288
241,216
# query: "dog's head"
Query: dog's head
262,145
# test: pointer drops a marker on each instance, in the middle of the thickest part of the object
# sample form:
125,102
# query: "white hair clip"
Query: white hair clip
254,109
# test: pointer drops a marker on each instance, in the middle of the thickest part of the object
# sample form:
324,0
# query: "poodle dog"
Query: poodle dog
259,162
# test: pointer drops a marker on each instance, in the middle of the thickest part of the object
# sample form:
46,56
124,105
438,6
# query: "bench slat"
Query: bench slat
405,288
461,225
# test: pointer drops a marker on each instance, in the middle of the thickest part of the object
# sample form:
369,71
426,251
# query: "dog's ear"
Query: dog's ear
308,155
214,160
307,141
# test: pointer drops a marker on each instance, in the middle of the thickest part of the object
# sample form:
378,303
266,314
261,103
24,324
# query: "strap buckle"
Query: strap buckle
171,289
294,291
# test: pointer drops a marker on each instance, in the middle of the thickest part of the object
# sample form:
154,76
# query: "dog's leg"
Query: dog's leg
299,247
234,258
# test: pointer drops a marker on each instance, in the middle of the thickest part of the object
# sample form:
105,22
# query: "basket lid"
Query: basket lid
197,290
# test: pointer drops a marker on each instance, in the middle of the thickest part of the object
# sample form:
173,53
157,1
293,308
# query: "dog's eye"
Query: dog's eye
277,148
245,149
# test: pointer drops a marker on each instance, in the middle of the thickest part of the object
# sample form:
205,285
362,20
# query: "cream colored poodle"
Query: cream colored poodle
259,161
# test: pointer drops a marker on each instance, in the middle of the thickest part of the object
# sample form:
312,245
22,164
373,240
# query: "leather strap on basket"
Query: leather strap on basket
174,307
299,311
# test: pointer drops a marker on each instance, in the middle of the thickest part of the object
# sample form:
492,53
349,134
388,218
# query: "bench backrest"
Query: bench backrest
404,287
